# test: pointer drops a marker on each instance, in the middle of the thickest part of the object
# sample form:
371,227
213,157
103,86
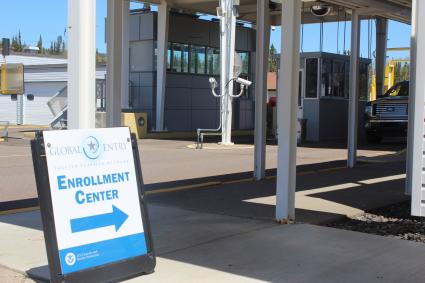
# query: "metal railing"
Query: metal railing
59,101
58,104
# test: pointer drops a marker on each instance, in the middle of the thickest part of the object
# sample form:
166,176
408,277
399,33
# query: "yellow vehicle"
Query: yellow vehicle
391,76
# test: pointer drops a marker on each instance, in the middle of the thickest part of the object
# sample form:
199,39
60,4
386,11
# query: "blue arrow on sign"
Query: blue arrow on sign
116,218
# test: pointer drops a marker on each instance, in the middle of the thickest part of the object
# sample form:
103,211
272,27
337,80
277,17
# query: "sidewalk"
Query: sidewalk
202,247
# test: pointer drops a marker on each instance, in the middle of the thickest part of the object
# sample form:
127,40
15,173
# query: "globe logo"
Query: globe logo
91,147
70,259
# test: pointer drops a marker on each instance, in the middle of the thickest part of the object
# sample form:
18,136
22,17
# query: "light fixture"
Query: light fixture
320,10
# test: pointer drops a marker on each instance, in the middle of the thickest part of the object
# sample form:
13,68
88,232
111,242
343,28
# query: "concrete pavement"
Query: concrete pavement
224,231
166,161
203,247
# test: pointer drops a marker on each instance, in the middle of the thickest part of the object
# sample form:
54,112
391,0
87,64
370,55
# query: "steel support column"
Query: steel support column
412,98
353,104
261,69
417,115
227,62
114,44
161,68
381,53
81,63
125,72
287,107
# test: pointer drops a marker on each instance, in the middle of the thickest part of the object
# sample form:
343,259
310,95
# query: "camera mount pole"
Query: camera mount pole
227,12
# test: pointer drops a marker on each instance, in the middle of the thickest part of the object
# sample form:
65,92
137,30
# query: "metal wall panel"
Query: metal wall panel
178,98
203,99
141,56
184,30
311,113
205,119
147,26
177,120
134,27
8,108
36,112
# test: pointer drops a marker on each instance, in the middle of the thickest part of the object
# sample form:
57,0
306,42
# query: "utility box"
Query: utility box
12,79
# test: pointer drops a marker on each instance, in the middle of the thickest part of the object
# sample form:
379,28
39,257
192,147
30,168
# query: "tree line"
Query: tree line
57,46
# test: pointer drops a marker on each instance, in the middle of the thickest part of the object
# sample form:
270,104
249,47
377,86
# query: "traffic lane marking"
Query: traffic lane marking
16,155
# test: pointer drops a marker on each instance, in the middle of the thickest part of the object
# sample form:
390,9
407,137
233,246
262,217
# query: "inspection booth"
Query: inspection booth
323,96
193,56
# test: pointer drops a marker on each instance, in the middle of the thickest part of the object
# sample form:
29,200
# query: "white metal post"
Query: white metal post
227,61
223,68
353,93
125,87
287,110
261,69
114,63
81,63
161,68
417,116
381,53
412,88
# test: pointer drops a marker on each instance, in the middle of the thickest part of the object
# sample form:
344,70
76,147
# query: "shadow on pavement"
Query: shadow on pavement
256,200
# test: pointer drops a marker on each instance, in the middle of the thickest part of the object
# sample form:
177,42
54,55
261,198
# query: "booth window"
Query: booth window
363,80
213,61
326,87
311,77
168,57
197,59
338,79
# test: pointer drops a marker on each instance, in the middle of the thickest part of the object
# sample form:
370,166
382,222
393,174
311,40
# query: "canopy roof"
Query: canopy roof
399,10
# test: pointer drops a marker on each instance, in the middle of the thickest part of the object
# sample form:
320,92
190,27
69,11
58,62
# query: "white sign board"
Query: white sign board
95,197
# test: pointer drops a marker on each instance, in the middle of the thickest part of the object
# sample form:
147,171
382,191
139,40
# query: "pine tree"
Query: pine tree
273,59
14,43
20,46
40,45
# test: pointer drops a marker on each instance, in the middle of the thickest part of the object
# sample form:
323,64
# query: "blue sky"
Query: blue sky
49,18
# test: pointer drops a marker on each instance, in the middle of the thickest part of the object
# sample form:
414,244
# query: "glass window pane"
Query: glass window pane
404,91
169,57
338,82
155,55
177,58
347,78
363,80
192,60
326,87
197,60
245,62
300,87
213,61
185,58
311,77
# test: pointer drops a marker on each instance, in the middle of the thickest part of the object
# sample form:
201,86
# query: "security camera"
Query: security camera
244,82
320,10
213,83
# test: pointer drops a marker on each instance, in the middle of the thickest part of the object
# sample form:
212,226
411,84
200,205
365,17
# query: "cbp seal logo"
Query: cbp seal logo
91,147
70,259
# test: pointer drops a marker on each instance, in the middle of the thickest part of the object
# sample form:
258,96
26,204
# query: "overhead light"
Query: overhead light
320,10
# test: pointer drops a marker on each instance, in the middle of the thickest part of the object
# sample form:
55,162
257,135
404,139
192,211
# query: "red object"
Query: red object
272,101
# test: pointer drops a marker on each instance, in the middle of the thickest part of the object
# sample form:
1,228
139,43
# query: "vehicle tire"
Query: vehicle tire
373,138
